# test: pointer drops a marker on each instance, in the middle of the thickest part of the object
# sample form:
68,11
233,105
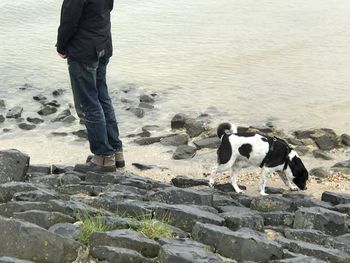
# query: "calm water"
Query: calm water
286,61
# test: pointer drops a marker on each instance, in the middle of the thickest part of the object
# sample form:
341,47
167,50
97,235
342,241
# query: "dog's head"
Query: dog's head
299,171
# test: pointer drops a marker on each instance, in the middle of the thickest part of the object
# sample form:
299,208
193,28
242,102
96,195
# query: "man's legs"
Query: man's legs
86,98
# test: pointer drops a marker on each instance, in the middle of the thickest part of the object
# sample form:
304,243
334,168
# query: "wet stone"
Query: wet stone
58,92
176,140
40,97
146,99
47,110
2,104
2,118
184,152
13,260
211,143
342,167
185,182
81,134
26,126
35,120
322,155
336,198
320,172
178,121
146,105
15,112
345,139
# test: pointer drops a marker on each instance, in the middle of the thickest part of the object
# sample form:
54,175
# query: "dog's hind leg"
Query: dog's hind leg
234,175
263,180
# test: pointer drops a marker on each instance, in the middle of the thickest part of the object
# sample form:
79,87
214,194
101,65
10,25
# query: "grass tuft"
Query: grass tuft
90,225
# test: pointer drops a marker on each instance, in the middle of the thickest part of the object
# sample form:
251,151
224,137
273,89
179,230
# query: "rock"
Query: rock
335,198
81,134
138,112
211,143
193,127
126,239
47,110
299,200
146,105
118,255
342,243
298,259
313,250
146,99
183,196
186,251
26,126
184,152
345,139
15,112
35,120
8,190
184,216
240,217
149,140
176,140
65,116
66,230
262,129
325,139
39,195
294,141
60,169
52,103
35,243
273,191
302,150
227,187
143,167
242,245
13,260
330,222
39,169
278,218
116,222
307,235
322,155
303,134
59,134
345,209
2,118
43,219
58,92
13,166
9,208
40,97
151,128
2,104
320,172
343,167
185,182
178,121
270,203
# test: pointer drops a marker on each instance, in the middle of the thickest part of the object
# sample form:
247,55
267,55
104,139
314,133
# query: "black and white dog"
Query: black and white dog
239,150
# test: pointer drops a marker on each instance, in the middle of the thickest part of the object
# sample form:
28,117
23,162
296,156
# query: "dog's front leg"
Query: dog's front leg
263,179
213,173
234,174
289,181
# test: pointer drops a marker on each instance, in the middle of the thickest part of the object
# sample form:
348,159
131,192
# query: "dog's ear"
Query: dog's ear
299,171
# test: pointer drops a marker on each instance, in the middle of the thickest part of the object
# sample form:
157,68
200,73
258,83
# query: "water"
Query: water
285,61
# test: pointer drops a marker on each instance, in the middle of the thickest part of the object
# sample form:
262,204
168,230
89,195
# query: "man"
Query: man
84,38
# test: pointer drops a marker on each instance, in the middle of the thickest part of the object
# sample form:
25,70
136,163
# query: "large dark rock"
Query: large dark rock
35,120
278,218
325,139
242,245
15,112
322,155
184,152
47,110
271,203
342,243
118,255
307,235
178,121
328,221
149,140
43,219
194,128
185,251
28,241
343,167
184,216
146,99
183,196
65,116
313,250
175,140
40,195
13,166
9,208
185,182
300,200
8,190
320,172
336,198
345,139
126,239
211,143
138,112
26,126
240,217
66,230
2,118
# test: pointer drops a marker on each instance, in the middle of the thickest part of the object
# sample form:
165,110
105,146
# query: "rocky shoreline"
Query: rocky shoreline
42,210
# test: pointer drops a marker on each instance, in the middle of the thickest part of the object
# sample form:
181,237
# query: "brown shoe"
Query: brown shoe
119,159
98,164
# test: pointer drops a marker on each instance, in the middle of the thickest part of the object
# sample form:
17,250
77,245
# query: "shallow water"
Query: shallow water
285,61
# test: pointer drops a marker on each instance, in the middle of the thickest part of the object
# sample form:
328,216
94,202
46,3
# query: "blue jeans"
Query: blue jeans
94,106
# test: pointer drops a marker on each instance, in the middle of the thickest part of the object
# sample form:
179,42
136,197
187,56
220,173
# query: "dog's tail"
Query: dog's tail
225,128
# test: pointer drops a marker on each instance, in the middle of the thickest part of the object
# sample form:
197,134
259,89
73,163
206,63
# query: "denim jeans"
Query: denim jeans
94,105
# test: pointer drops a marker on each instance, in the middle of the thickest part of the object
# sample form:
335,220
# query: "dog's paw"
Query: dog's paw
262,193
294,188
211,182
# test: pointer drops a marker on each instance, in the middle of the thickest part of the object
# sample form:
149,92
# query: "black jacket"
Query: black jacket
85,29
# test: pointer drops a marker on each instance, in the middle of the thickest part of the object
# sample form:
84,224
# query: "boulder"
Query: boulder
278,218
146,99
240,217
211,143
185,182
270,203
345,139
193,127
117,255
15,112
341,242
67,230
126,239
327,221
307,235
35,243
39,169
43,219
9,208
300,200
242,245
178,121
81,134
40,195
8,190
175,140
149,140
185,251
184,152
13,166
335,198
172,195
